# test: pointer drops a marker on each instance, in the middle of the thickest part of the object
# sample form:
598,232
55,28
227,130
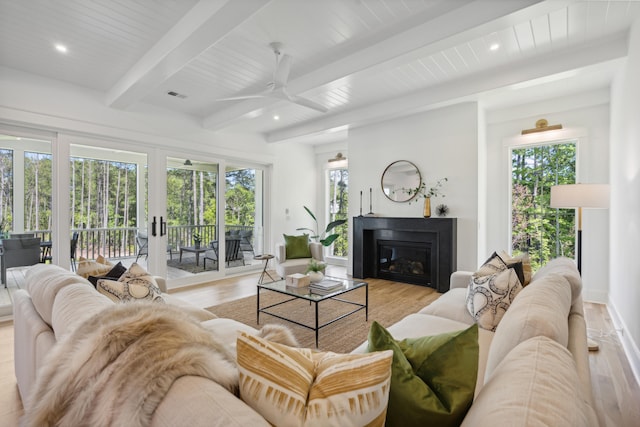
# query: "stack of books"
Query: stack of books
325,286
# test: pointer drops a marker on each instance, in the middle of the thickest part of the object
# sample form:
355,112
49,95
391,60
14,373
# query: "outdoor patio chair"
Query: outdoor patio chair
232,252
142,241
18,253
74,247
245,241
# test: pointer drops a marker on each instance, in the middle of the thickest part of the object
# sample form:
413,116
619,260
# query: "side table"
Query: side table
266,258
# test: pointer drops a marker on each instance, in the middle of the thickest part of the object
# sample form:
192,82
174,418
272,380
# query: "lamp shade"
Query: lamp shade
580,196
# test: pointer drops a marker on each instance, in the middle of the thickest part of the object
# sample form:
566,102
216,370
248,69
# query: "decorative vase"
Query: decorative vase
427,207
316,276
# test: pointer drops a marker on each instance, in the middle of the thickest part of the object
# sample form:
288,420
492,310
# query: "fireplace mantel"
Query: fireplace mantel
440,233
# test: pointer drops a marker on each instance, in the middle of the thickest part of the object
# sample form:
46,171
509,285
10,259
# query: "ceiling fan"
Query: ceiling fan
277,89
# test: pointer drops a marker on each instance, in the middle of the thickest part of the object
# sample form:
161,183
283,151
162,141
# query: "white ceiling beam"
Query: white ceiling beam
467,88
417,37
202,27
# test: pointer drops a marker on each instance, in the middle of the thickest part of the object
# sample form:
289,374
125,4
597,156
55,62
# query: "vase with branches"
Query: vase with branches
422,191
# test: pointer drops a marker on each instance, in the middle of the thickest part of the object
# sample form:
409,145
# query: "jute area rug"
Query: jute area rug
385,306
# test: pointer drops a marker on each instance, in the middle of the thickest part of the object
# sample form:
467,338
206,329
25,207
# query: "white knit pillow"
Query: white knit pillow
300,387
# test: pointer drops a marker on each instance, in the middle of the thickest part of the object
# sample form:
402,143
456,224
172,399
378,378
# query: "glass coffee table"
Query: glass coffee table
340,287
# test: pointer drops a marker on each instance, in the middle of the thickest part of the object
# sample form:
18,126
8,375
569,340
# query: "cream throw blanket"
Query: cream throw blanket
115,368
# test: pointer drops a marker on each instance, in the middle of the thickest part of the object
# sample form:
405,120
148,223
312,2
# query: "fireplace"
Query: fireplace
421,251
402,261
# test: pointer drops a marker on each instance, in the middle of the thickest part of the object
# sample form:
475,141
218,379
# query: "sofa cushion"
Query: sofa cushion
134,284
297,246
296,386
73,305
451,305
542,308
565,267
433,377
44,281
199,402
535,385
98,267
489,297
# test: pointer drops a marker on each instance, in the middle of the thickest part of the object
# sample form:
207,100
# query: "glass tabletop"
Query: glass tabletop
332,286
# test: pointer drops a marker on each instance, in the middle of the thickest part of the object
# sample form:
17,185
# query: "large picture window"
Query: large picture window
338,203
536,228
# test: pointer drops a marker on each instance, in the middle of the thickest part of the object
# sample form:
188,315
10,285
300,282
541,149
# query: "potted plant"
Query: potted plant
315,270
325,239
427,194
196,240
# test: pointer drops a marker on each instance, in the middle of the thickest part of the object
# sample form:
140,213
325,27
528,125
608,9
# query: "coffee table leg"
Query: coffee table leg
366,302
316,324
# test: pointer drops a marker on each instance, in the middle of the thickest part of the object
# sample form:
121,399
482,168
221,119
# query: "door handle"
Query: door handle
153,227
163,227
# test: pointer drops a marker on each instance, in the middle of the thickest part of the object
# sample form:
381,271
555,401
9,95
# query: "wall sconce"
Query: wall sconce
339,161
188,163
542,125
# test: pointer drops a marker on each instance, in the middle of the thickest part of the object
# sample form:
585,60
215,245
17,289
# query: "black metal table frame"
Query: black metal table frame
317,327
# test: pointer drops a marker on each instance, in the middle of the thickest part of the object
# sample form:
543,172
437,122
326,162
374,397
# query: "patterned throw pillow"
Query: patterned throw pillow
134,284
114,274
98,267
526,265
300,387
489,297
497,263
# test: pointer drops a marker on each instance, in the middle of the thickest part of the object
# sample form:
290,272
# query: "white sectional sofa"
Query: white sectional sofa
533,370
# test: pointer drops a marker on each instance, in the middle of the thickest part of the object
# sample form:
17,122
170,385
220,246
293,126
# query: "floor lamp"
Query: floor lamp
588,196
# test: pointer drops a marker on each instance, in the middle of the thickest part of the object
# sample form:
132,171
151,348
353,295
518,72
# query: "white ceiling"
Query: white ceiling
365,60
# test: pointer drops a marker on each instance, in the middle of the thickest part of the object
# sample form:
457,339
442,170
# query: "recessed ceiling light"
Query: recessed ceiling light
61,48
494,47
276,117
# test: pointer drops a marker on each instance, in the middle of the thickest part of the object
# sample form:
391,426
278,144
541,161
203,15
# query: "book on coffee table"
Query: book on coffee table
326,285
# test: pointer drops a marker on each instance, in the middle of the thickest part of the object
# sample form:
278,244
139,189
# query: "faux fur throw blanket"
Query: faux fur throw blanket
115,369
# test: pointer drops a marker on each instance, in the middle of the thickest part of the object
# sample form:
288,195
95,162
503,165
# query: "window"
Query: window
6,191
536,228
337,209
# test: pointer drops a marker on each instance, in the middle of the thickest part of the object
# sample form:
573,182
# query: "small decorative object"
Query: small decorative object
297,280
427,194
360,203
427,207
315,269
370,203
196,240
442,210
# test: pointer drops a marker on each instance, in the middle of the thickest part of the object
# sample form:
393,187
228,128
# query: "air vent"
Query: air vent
176,94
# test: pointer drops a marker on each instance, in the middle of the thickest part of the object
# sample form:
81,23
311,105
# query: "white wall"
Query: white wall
624,292
442,143
586,116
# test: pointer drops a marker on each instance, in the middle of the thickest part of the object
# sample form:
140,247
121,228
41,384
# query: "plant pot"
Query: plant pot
427,207
197,245
316,276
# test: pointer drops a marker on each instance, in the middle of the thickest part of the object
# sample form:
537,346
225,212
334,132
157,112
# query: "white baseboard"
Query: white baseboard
601,297
629,346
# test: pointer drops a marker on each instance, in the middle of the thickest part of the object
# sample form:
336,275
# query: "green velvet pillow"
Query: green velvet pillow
432,378
297,246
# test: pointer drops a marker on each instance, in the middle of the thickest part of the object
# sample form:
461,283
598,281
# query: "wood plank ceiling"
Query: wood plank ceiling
362,59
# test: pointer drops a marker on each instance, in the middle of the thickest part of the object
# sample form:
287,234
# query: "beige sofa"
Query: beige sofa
533,370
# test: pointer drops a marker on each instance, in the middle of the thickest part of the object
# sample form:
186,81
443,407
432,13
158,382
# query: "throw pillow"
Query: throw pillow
489,297
526,264
497,263
113,274
134,284
433,378
98,267
297,246
300,387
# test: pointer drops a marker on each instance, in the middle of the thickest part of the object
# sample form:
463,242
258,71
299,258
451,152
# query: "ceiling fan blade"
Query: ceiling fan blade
281,74
239,98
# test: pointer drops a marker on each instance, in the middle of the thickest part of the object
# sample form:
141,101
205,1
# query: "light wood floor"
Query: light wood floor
616,392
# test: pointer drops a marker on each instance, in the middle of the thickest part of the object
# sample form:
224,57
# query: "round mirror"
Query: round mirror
399,181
